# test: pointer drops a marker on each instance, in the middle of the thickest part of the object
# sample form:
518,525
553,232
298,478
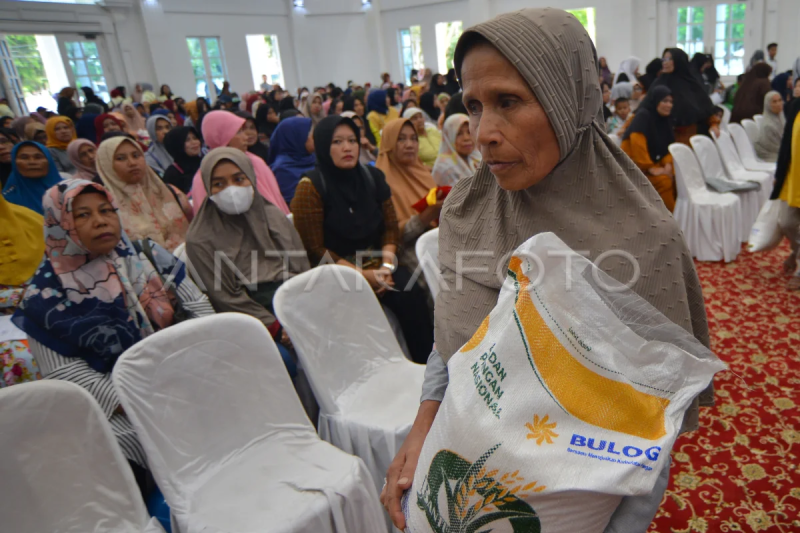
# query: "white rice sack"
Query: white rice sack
568,397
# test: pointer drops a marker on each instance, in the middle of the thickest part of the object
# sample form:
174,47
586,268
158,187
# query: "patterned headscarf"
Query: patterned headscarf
92,308
148,209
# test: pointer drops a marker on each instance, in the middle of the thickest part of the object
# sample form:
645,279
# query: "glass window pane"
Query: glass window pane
95,68
90,49
722,12
737,49
738,11
697,33
737,31
194,47
681,33
78,67
83,82
682,15
216,67
74,49
736,67
719,49
721,31
199,68
212,47
698,15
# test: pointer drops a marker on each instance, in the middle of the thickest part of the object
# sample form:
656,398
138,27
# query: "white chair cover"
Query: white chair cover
368,392
427,249
227,439
62,469
751,128
709,220
747,153
726,117
758,119
737,171
711,163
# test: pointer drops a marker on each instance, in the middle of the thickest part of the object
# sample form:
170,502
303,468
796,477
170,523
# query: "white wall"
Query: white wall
337,40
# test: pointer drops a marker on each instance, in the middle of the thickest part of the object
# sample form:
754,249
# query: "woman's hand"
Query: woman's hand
401,471
379,279
656,171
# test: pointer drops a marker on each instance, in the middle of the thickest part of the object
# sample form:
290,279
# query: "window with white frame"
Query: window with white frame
447,34
690,29
410,50
208,65
585,16
729,39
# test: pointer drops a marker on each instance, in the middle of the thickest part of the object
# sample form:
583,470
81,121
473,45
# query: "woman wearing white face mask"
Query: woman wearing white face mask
235,221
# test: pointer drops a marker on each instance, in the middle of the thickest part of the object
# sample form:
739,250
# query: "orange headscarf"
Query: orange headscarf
50,128
410,182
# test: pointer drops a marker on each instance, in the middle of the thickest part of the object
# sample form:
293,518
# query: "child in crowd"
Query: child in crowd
622,108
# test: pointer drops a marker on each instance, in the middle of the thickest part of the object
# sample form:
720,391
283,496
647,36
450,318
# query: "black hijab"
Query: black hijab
691,102
656,129
289,113
391,92
785,153
286,103
650,74
184,167
353,200
426,103
452,86
262,123
350,105
92,98
259,148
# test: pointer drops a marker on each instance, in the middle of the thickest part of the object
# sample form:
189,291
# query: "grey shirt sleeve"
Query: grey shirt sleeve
436,378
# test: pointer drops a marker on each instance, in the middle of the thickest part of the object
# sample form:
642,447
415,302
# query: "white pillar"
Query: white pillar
375,27
479,11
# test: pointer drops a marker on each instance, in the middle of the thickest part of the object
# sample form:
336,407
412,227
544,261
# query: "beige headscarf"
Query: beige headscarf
596,199
149,208
262,229
409,183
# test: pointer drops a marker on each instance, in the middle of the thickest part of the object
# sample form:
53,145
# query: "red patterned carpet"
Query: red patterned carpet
741,471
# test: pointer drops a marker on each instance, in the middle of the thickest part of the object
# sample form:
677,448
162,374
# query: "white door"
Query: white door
86,63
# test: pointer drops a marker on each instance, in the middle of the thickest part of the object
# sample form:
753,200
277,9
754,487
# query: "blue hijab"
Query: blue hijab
288,157
28,192
85,127
377,102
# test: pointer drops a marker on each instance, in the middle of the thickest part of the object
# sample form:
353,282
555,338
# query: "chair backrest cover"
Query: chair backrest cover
758,119
338,328
202,391
688,173
747,153
61,470
751,128
708,156
726,118
729,155
427,249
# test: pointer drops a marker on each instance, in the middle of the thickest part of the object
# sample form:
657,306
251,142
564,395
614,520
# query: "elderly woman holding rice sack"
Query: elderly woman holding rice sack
531,90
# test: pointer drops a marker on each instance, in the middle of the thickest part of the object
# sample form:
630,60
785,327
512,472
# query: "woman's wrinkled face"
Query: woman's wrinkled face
96,223
667,64
407,148
665,106
419,123
512,130
776,104
110,124
192,145
344,147
31,162
129,163
464,145
87,155
63,132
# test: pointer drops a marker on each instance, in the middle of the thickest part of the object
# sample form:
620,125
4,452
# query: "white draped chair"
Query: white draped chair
737,171
711,163
427,249
227,440
709,220
747,153
751,128
61,470
726,118
368,392
758,119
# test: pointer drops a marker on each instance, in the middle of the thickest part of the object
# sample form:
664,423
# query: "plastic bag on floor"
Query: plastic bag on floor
567,398
766,233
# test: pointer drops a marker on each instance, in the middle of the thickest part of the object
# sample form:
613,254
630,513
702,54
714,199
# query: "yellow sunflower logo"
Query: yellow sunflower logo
541,430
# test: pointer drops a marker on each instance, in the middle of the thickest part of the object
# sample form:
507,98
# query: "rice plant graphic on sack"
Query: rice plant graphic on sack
568,397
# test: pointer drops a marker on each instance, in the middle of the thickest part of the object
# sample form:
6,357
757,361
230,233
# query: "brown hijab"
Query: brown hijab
595,200
409,183
262,231
749,100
